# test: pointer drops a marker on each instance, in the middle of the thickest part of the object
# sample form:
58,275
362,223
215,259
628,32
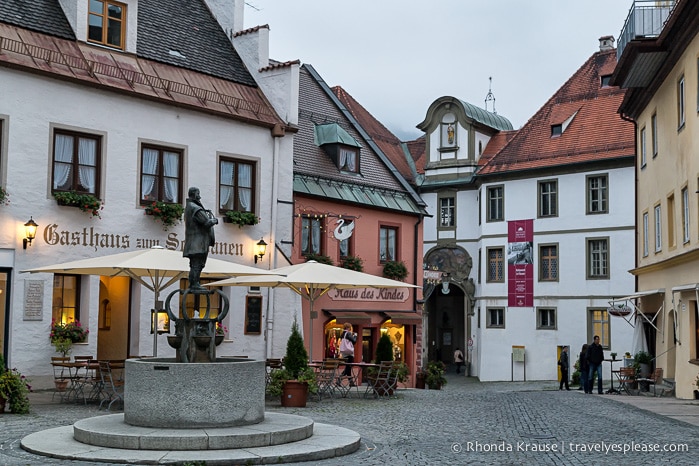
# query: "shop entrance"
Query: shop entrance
368,344
446,324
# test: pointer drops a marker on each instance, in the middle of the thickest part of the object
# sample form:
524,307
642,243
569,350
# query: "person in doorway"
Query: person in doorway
564,362
595,356
584,366
347,341
458,360
198,236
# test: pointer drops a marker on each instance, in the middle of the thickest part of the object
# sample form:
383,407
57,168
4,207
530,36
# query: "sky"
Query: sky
397,57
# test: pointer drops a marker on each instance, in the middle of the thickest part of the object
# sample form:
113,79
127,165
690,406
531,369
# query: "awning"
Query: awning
690,287
353,317
639,294
404,318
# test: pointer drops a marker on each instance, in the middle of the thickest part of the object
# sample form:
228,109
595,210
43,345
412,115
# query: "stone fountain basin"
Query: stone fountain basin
159,392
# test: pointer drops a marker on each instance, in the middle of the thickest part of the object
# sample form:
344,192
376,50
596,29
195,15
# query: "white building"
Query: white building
567,178
136,107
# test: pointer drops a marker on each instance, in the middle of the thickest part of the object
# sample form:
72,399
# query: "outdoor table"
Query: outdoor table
78,380
611,374
357,368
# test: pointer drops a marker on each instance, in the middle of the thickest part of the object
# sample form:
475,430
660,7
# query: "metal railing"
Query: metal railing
646,19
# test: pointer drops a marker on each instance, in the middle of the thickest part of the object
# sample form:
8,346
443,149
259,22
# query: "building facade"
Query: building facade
658,66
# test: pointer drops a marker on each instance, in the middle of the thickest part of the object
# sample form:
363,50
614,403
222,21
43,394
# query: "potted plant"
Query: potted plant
4,196
320,258
353,263
168,214
613,355
63,335
642,362
434,375
221,331
296,379
241,218
83,201
14,388
395,270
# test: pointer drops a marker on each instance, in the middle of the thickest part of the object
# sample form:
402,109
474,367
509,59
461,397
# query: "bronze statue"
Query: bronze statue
198,236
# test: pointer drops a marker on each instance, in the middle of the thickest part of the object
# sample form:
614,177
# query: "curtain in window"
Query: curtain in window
315,240
150,167
226,186
171,172
244,186
348,160
87,158
63,159
305,234
344,248
391,246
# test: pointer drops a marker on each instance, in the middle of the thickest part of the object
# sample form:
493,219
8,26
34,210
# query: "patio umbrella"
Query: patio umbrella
311,280
156,268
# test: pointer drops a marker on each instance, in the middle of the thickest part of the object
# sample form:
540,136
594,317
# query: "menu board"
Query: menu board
253,315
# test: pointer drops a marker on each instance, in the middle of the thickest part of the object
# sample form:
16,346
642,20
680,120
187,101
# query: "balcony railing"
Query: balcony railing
646,20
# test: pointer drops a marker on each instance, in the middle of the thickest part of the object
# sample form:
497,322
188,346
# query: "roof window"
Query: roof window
342,148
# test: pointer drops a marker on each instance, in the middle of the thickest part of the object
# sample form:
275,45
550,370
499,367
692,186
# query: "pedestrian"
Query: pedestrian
584,367
564,362
347,341
595,356
458,360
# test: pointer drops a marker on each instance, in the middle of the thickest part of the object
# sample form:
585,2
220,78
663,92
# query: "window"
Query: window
548,198
496,271
597,194
685,215
387,244
76,162
598,324
310,235
645,234
643,147
654,134
598,258
548,262
346,245
161,172
680,103
446,212
66,298
236,185
556,130
658,230
496,318
546,319
605,80
107,23
349,159
671,221
496,197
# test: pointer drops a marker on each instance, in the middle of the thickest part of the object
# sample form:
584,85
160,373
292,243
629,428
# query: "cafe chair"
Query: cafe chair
626,378
327,378
657,381
112,383
385,382
61,376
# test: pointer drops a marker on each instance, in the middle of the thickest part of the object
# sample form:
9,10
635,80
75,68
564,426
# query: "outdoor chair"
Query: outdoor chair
61,376
327,378
271,365
656,380
627,377
112,383
383,385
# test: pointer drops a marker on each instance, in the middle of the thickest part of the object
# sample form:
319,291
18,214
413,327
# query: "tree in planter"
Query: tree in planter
295,365
353,263
384,349
395,270
642,362
434,374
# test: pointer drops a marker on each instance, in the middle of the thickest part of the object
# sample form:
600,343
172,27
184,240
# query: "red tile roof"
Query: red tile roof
389,144
597,132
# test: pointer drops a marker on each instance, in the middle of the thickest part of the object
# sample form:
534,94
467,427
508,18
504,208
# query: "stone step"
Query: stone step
111,431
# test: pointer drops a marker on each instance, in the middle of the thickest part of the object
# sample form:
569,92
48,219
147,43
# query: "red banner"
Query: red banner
520,263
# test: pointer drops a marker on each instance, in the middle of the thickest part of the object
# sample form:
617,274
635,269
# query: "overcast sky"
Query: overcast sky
395,57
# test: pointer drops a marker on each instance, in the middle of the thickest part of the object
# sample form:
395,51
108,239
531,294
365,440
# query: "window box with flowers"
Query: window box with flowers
14,388
4,196
168,214
63,335
241,218
221,332
352,263
395,270
85,202
320,258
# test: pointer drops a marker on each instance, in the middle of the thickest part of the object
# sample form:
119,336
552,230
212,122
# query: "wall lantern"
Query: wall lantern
29,232
160,321
260,250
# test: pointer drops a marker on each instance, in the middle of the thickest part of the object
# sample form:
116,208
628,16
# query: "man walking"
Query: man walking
564,363
595,356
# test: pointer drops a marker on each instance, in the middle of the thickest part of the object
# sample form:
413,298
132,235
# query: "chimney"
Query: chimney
606,43
228,13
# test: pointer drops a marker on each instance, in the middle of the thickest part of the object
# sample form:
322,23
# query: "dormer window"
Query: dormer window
107,23
558,128
342,148
605,80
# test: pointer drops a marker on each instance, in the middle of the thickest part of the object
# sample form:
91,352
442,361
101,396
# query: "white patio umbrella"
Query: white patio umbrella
311,280
156,268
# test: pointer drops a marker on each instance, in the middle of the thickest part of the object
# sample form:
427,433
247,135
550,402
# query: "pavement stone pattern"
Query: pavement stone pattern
467,422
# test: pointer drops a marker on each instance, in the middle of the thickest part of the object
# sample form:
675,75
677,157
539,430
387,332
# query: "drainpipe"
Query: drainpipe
635,180
277,134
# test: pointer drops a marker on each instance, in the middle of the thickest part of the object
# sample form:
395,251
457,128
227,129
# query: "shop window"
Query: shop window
66,298
397,335
333,333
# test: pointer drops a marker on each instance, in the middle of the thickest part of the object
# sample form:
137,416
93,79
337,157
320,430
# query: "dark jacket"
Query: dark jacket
584,363
595,354
563,360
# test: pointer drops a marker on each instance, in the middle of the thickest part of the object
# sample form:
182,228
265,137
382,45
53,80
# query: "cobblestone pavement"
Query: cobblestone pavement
467,422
